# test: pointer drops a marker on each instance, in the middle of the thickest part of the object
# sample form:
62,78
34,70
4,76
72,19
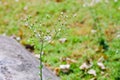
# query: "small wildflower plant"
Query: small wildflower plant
41,37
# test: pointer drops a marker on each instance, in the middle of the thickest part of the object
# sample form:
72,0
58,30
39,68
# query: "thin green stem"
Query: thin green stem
41,66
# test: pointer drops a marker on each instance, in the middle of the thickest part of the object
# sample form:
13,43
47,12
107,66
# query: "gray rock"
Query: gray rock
16,63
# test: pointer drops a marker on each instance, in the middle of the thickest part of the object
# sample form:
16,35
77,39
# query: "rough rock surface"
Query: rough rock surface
16,63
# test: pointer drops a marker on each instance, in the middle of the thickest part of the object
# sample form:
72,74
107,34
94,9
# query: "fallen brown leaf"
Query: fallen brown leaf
101,65
65,68
92,72
85,66
62,40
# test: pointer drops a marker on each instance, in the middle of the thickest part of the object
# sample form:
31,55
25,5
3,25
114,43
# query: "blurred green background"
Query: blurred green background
90,31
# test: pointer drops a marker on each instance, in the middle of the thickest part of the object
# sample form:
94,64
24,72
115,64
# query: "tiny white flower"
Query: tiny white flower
48,38
59,29
37,35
